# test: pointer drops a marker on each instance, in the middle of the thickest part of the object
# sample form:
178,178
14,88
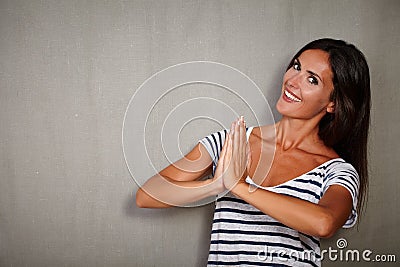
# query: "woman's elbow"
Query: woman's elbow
326,227
141,199
144,200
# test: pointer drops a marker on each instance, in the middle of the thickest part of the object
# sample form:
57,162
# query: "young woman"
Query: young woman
290,183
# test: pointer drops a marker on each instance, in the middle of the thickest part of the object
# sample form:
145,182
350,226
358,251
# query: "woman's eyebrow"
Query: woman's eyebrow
313,73
297,60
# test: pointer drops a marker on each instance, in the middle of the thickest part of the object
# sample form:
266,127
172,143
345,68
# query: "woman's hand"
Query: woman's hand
235,156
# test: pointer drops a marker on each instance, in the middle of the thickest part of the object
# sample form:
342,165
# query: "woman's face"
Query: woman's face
307,86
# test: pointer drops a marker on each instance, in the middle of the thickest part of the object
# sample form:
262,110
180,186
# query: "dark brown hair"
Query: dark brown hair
346,129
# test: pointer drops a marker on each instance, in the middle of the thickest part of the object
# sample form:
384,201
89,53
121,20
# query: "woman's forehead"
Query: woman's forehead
316,61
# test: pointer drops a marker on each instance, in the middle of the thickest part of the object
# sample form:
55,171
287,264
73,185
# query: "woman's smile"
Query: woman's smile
290,97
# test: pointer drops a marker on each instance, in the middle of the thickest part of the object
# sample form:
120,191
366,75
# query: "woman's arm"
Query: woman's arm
177,184
322,219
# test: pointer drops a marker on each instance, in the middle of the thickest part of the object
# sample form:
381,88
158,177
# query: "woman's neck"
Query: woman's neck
296,133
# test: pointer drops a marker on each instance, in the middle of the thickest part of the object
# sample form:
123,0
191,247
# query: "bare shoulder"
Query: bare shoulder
323,154
265,132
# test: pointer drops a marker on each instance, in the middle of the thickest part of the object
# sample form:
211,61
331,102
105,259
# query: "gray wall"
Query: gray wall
67,72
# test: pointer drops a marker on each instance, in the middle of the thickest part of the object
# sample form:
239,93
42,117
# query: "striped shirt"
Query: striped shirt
243,235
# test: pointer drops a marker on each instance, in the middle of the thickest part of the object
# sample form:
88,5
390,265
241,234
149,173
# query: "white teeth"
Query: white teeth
292,97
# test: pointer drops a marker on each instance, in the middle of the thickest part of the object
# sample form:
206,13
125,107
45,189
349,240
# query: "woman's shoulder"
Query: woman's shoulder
264,132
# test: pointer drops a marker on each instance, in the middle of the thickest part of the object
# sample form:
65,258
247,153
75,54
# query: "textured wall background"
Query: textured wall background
67,72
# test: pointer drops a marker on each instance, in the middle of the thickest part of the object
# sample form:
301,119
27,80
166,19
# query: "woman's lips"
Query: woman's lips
289,96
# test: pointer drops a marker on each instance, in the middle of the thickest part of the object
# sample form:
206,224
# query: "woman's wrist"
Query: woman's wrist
216,186
240,188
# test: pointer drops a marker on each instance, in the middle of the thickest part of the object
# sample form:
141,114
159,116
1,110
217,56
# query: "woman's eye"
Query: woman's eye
313,80
296,66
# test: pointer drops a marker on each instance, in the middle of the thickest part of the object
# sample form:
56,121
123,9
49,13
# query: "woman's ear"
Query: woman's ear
331,107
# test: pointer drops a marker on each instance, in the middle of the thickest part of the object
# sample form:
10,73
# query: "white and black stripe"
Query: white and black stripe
243,235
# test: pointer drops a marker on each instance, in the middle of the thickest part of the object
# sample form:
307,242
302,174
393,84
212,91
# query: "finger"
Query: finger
242,141
231,132
220,166
241,151
228,163
225,144
230,142
246,148
228,152
223,151
236,139
248,152
241,147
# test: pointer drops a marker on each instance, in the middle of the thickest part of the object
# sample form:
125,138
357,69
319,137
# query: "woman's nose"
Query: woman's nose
294,81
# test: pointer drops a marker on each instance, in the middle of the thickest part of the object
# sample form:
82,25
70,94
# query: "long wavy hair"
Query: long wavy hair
346,129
